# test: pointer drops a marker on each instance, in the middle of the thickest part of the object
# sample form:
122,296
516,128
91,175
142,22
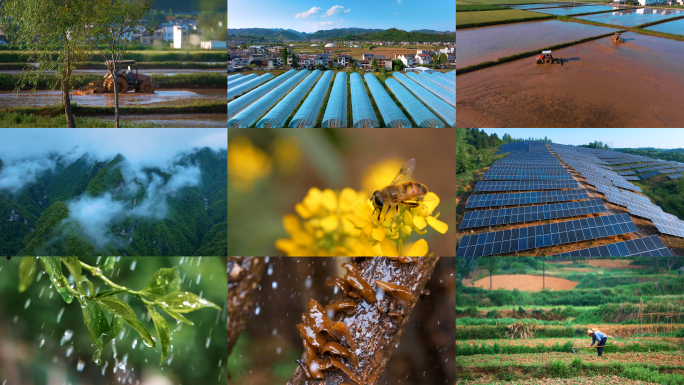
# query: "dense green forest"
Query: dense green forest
668,194
676,154
397,35
596,144
178,6
92,207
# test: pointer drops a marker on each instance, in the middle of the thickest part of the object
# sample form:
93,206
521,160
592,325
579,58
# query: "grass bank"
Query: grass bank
21,120
142,65
481,19
194,80
7,56
56,110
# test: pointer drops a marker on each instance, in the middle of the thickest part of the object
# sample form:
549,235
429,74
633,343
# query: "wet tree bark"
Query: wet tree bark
376,334
244,275
66,100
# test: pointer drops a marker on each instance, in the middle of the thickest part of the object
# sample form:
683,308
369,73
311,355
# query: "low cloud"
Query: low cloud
335,9
14,176
348,10
304,15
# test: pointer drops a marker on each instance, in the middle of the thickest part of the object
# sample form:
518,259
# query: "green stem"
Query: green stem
96,272
400,247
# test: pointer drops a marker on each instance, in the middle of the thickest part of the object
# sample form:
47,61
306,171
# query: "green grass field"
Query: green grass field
493,16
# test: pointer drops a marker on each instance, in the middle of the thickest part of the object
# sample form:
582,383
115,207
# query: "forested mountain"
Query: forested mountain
397,35
266,33
178,6
391,34
336,32
90,206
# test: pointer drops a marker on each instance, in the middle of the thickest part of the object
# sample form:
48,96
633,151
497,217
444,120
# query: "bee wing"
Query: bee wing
420,199
405,172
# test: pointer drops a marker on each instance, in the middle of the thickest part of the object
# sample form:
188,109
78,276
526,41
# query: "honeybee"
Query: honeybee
400,191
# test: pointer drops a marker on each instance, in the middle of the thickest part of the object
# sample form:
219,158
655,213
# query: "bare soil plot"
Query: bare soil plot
655,358
525,282
598,380
600,84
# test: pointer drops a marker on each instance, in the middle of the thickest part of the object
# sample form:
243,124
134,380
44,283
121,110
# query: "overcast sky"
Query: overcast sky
313,15
621,137
141,146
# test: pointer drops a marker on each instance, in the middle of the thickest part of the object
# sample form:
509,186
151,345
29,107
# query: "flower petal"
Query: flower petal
313,199
363,210
348,198
418,249
330,223
303,211
438,225
432,202
329,199
419,222
378,233
388,248
291,224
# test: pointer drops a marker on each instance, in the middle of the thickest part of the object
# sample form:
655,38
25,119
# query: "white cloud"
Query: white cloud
304,15
318,26
399,2
348,10
396,14
335,9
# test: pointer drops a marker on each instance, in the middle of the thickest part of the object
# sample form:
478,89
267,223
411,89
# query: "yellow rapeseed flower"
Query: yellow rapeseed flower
287,154
393,229
322,229
246,163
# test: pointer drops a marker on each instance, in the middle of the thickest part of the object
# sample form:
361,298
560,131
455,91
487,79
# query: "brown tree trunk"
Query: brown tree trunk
66,101
376,334
244,275
116,92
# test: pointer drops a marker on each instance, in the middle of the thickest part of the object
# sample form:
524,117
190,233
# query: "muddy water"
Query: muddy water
638,83
141,71
176,120
533,6
633,17
158,98
574,10
478,45
676,27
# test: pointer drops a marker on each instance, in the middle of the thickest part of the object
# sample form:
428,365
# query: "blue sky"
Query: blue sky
621,137
314,15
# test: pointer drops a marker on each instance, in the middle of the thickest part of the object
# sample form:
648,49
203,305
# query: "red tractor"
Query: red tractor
126,79
547,58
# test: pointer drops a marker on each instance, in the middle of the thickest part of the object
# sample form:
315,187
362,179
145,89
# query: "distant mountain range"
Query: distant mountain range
342,34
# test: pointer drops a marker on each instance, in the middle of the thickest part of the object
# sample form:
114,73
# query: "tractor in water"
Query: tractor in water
547,58
126,79
617,37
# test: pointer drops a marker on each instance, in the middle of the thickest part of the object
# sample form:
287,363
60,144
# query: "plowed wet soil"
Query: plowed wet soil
525,283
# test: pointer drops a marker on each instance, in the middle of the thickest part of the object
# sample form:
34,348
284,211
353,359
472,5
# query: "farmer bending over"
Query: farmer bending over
597,336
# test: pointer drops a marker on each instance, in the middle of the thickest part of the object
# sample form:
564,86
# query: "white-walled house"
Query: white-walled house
213,44
424,59
408,60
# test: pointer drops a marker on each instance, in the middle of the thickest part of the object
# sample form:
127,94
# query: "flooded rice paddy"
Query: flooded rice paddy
542,5
130,99
175,120
478,45
637,83
675,27
564,11
633,17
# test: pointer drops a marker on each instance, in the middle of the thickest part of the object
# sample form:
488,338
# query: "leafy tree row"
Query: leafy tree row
676,154
597,144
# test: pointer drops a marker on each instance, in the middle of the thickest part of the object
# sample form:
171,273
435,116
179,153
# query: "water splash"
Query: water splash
69,351
42,341
66,337
59,315
198,278
80,365
28,303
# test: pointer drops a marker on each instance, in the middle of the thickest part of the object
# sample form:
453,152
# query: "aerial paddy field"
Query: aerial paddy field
478,45
575,10
674,27
633,17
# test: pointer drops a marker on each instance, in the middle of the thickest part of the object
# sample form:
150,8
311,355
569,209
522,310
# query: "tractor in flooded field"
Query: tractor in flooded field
126,79
617,37
547,58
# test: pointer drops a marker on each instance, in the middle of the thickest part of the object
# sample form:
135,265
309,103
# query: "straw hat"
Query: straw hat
589,331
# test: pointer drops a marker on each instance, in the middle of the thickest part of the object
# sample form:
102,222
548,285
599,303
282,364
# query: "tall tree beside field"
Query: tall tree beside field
443,59
47,29
294,60
109,29
374,63
492,264
283,55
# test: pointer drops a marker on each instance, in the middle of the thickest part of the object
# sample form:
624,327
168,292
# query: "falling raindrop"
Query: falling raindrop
208,341
42,341
41,292
257,310
135,343
114,348
274,332
104,368
28,302
133,264
67,337
198,278
278,350
59,315
274,285
308,282
198,260
15,319
80,365
69,351
270,270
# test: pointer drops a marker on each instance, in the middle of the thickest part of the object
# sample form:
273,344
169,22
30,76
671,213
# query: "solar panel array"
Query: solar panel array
623,173
526,198
523,185
675,176
632,178
525,175
645,169
651,246
531,213
525,238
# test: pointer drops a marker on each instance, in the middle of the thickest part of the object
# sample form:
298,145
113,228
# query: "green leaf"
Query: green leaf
178,316
96,321
184,302
53,267
114,328
107,264
27,271
74,267
121,309
162,331
164,281
107,293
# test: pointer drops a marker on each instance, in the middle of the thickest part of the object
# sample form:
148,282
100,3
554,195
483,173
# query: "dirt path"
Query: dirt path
600,84
525,282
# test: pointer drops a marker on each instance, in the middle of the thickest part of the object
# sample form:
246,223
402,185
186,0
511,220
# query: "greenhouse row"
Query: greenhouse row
328,99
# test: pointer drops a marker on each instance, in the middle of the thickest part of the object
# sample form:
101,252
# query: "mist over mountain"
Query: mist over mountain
83,203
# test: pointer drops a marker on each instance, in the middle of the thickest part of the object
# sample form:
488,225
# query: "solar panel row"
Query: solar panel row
648,247
514,199
501,242
631,177
531,213
484,186
525,175
623,173
674,176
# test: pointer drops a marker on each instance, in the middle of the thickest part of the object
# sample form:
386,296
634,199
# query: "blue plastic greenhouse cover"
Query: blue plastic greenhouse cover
440,82
420,114
307,114
362,109
276,117
251,114
244,87
446,82
443,94
234,76
452,73
244,79
245,100
390,112
437,105
336,110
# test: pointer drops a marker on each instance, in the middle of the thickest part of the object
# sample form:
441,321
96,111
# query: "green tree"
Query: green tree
374,64
443,58
283,55
397,65
294,60
48,30
492,265
109,29
462,157
171,12
507,138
